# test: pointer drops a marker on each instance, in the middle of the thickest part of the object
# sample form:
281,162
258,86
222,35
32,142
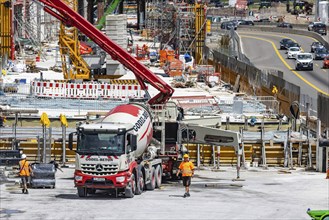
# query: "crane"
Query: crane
70,47
68,16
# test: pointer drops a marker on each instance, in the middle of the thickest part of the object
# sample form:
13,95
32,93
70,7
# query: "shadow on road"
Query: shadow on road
97,196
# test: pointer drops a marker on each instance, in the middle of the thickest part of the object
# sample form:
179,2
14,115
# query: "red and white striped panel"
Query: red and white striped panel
85,90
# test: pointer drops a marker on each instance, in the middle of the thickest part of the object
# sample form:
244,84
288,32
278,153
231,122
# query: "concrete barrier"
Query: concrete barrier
289,31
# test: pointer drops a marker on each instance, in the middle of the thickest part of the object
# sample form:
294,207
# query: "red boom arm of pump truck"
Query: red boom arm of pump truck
68,16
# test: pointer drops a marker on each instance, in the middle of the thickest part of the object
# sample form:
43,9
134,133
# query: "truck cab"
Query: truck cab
304,61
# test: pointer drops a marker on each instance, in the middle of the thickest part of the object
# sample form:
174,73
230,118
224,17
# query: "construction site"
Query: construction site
105,99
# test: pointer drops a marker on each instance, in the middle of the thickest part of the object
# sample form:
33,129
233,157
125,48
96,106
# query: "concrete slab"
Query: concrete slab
265,194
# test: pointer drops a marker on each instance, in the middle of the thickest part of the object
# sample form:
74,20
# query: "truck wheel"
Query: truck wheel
158,176
140,182
151,184
130,191
82,192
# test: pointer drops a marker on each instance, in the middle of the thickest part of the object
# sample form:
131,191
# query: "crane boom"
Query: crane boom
64,13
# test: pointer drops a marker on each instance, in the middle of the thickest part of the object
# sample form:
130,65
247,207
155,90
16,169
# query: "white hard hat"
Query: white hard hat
23,156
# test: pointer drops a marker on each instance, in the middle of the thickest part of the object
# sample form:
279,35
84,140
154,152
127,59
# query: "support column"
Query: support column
319,150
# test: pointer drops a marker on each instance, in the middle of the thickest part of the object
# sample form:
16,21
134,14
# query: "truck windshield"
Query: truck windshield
101,143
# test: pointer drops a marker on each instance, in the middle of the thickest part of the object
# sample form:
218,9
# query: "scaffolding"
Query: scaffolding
178,25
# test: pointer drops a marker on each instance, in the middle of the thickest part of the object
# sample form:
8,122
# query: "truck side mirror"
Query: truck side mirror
133,142
71,140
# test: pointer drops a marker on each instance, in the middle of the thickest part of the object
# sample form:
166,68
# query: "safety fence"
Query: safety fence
85,90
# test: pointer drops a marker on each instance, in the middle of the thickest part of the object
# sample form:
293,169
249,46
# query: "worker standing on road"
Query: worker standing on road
24,172
187,169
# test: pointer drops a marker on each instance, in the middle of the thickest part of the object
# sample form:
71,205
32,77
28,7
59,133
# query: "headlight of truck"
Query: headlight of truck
120,179
78,178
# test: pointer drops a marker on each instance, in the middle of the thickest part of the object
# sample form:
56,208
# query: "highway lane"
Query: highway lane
262,48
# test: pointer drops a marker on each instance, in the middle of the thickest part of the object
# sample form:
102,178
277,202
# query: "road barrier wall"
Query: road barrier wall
323,106
270,28
253,80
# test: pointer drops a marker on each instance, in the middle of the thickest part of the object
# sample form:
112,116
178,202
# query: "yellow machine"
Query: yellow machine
73,65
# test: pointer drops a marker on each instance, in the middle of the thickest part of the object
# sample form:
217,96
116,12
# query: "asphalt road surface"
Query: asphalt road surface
264,194
262,48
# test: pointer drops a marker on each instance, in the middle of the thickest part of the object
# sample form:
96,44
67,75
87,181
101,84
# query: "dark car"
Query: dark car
320,28
265,4
292,44
320,53
284,42
316,45
243,22
228,25
284,25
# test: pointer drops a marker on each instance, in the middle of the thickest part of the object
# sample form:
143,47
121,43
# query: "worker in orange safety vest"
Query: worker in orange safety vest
187,169
24,172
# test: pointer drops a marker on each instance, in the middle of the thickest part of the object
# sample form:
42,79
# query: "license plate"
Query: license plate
305,66
97,179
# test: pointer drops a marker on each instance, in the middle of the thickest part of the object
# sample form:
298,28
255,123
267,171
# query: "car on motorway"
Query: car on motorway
292,52
320,28
316,45
320,54
284,42
284,25
326,62
246,22
311,24
292,44
228,25
304,61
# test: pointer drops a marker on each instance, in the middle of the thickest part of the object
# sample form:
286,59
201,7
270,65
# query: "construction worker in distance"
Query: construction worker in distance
187,169
24,172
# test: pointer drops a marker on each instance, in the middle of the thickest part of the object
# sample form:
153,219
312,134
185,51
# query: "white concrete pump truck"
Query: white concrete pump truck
135,144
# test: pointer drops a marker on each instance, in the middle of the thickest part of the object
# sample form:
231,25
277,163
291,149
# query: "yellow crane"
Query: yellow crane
73,65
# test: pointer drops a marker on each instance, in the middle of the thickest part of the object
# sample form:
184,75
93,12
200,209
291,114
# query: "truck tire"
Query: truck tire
139,182
130,191
151,184
82,192
158,176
